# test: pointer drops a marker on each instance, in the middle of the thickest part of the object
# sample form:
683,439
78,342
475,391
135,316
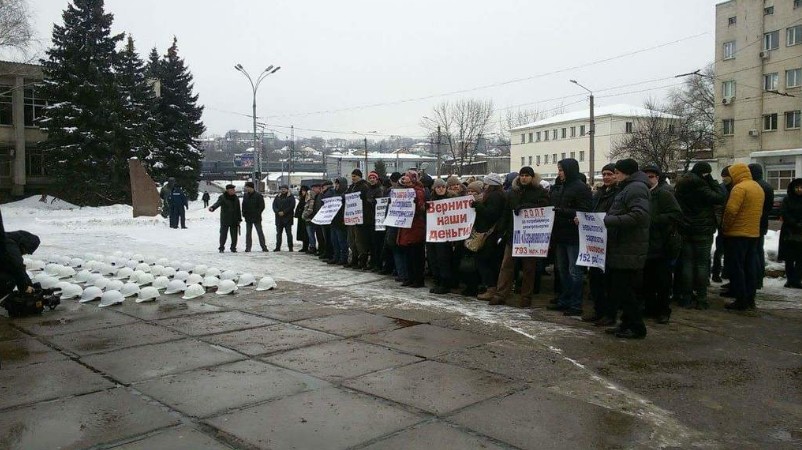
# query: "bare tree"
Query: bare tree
15,25
654,139
695,103
462,123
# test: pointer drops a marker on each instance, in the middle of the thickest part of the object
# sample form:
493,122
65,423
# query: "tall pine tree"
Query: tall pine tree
83,119
179,118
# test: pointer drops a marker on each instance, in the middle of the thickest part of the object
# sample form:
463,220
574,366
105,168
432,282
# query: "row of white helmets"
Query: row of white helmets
139,276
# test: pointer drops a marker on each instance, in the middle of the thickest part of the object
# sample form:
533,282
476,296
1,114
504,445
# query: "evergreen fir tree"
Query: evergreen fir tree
82,121
179,119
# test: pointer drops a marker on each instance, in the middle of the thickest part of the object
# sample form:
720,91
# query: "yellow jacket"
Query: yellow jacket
744,206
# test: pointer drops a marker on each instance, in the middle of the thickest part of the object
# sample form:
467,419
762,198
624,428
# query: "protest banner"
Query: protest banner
450,219
353,209
531,232
381,212
592,240
402,208
327,212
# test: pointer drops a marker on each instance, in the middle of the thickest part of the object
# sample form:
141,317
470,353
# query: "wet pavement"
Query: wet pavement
328,367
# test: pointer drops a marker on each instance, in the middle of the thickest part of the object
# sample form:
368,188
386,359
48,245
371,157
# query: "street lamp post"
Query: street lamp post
257,167
365,140
592,131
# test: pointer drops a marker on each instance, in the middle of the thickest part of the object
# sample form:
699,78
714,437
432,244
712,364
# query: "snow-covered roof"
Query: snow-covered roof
620,110
379,156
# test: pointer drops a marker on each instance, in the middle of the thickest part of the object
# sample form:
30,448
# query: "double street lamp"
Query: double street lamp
257,167
592,131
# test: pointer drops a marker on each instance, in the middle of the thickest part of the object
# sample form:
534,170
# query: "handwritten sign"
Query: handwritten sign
402,208
353,209
327,212
381,212
449,219
592,240
531,232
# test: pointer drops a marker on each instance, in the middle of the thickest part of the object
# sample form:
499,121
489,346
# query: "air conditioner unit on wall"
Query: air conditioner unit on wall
753,133
727,101
764,54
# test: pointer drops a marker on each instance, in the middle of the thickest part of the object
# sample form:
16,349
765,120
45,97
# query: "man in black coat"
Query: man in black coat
178,207
284,208
568,197
12,269
358,237
768,202
230,217
252,206
604,310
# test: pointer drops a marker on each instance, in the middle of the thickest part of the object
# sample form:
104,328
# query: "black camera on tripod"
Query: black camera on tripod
21,304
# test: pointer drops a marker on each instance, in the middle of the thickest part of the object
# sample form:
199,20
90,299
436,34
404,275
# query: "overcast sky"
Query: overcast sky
339,57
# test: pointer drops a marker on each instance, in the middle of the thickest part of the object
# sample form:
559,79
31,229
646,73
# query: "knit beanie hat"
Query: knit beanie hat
357,172
476,186
652,169
395,176
526,170
438,183
493,179
701,168
230,186
373,174
626,166
452,180
725,172
249,184
609,167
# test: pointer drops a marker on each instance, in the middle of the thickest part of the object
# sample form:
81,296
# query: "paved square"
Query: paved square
72,316
56,379
326,419
353,324
276,338
433,387
180,438
150,361
435,436
25,351
203,392
105,339
199,325
81,422
296,311
165,308
427,340
339,360
541,419
248,301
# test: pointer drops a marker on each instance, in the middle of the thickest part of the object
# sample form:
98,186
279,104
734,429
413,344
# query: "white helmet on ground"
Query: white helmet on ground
101,282
91,293
134,278
34,264
138,257
145,279
160,282
168,272
229,275
226,287
246,279
266,283
187,267
66,272
163,262
124,273
131,264
175,263
52,269
61,285
114,285
200,269
92,278
111,297
211,282
129,289
149,260
108,269
143,267
181,275
71,291
156,270
213,272
194,279
147,294
193,290
128,255
76,262
63,260
48,282
81,276
175,287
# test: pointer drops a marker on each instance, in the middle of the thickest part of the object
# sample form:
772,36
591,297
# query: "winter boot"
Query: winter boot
494,300
740,304
488,294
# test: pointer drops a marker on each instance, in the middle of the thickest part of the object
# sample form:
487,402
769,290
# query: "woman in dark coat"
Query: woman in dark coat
490,208
412,240
790,249
300,226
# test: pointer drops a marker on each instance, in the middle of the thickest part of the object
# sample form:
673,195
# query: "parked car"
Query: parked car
775,208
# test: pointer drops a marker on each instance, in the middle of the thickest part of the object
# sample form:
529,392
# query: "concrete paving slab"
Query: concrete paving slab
180,438
105,339
56,379
339,360
271,339
25,351
8,332
208,391
434,435
539,419
70,317
325,419
248,302
150,361
427,340
351,324
199,325
164,308
81,422
296,311
434,387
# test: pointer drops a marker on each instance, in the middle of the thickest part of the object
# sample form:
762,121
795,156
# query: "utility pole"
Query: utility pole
438,151
292,151
592,132
366,156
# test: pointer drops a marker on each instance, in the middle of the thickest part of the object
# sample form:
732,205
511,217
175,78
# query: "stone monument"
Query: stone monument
144,195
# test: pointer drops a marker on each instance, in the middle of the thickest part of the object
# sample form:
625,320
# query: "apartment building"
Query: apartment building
21,161
759,85
542,144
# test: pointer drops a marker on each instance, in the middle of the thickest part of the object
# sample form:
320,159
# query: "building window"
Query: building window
530,160
545,135
581,130
792,120
34,162
728,89
537,159
573,131
523,138
581,156
671,129
732,21
554,157
770,122
573,155
531,136
562,155
554,134
797,3
5,105
793,78
547,159
771,40
563,133
628,127
793,35
34,107
779,179
729,50
728,126
537,136
523,161
768,11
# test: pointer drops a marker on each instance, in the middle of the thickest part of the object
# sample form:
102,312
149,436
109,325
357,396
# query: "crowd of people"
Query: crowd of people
659,237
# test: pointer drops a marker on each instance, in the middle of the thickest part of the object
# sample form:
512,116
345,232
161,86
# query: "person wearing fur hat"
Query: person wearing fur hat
490,207
284,207
358,235
253,204
525,192
412,240
627,224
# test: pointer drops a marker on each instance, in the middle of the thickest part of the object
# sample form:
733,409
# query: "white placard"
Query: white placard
592,240
327,212
449,219
531,232
353,209
402,208
381,212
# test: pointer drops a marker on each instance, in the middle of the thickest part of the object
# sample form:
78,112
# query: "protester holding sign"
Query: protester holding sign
627,225
525,193
358,237
372,219
412,239
490,207
443,210
339,235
